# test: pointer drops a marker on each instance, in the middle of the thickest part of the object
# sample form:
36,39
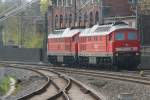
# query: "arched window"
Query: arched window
61,21
70,19
91,19
66,19
80,19
54,2
95,1
56,21
96,17
64,2
85,19
69,2
60,2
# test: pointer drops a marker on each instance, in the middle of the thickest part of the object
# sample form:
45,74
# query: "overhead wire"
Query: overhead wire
15,11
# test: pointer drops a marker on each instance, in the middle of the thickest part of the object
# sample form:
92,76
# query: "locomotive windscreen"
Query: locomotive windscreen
120,36
132,36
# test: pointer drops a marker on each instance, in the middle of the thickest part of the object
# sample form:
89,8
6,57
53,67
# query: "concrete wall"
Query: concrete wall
35,55
144,25
145,62
19,54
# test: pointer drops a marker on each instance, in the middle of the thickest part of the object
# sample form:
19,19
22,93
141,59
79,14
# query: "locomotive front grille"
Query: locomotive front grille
127,58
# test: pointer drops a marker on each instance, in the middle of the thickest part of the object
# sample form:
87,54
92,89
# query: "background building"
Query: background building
69,13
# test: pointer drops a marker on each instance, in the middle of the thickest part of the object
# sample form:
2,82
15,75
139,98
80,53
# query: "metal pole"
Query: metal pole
1,73
75,13
21,24
43,55
136,11
101,12
1,36
52,17
21,29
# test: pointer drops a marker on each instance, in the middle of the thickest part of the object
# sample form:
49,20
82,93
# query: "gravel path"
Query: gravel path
29,82
112,88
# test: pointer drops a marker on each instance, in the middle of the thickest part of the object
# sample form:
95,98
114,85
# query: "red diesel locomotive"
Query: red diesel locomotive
63,46
115,44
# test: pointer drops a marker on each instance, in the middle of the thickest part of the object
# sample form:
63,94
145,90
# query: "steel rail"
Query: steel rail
93,94
59,94
72,80
62,92
110,75
135,78
101,72
42,89
68,86
118,76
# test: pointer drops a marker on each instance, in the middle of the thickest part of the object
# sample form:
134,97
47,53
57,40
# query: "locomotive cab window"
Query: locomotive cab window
132,36
120,36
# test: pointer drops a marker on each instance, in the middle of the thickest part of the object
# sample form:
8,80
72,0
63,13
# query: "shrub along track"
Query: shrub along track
58,87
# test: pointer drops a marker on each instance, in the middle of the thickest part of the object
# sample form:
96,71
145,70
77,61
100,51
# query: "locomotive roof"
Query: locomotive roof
104,29
94,31
64,33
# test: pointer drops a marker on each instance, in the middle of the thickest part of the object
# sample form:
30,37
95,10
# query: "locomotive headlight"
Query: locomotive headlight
137,54
116,54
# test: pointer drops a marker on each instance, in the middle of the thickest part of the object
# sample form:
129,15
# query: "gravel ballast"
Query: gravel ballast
112,88
28,82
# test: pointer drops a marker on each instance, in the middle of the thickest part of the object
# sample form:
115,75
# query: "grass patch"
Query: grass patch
18,88
1,65
4,85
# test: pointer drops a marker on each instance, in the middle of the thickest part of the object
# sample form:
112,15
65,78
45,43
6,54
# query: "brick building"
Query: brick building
69,13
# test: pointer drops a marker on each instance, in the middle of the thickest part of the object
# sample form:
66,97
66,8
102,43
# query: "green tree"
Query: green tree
36,41
43,6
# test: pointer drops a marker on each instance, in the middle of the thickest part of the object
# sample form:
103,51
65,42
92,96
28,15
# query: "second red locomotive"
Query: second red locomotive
115,44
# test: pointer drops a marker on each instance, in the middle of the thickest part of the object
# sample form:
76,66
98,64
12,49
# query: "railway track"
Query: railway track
58,87
123,76
109,75
39,90
127,76
130,76
65,89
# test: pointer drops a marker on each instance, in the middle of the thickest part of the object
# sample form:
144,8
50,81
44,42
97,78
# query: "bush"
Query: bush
4,85
36,41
